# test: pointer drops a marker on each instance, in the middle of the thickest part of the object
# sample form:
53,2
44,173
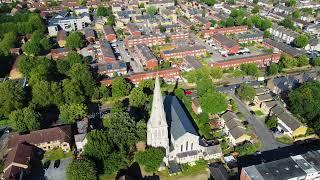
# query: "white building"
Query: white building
68,23
182,143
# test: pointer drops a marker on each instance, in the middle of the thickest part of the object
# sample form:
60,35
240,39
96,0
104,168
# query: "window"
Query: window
181,147
187,146
191,146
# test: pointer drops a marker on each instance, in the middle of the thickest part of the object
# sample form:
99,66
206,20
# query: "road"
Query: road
267,139
136,66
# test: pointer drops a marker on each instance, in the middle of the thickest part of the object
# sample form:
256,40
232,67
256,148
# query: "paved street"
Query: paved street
266,137
136,66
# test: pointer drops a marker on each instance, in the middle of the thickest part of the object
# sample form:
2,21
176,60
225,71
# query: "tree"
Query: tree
213,103
32,48
246,92
45,44
120,87
272,122
255,10
151,10
250,69
102,92
70,113
216,73
273,69
165,65
213,22
72,91
230,22
290,3
82,74
302,60
204,85
266,34
287,22
46,94
301,41
234,105
316,61
150,159
141,6
74,40
103,11
305,102
209,2
26,119
81,169
296,14
287,61
162,29
12,97
137,98
8,42
246,149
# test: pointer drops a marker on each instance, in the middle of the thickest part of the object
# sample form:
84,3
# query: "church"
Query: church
170,127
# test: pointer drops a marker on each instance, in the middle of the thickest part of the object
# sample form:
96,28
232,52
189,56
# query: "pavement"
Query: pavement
264,134
136,66
58,173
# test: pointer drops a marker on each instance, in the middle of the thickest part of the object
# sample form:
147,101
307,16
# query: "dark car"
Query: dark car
46,164
56,164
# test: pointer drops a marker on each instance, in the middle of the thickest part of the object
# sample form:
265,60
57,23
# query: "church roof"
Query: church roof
177,118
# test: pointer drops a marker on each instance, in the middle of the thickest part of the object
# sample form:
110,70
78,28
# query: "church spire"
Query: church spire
158,116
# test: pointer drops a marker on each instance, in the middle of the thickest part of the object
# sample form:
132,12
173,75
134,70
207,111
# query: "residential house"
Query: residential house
234,129
212,152
105,52
282,33
284,48
133,30
59,53
218,171
81,10
287,122
202,21
90,35
61,38
17,163
283,9
146,57
226,30
262,98
231,46
46,139
169,14
109,33
190,63
160,4
182,52
67,23
112,68
266,106
184,22
250,37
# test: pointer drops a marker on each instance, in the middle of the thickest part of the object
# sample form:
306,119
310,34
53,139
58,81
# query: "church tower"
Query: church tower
157,127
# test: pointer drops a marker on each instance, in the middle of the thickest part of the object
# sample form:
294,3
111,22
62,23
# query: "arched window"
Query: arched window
181,147
191,146
187,146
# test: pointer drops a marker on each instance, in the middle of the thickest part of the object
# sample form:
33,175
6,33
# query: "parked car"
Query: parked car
46,164
56,164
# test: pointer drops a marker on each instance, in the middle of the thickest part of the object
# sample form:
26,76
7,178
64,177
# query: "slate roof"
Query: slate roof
193,62
285,48
224,40
177,118
219,172
289,120
265,97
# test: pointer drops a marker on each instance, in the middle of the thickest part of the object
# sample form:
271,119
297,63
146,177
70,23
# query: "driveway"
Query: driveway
267,139
58,173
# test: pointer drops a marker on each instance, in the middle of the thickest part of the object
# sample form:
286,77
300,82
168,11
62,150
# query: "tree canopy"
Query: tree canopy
273,69
81,169
213,102
103,11
120,87
137,97
305,102
246,92
12,97
26,119
152,10
301,41
250,69
150,159
70,113
74,40
271,122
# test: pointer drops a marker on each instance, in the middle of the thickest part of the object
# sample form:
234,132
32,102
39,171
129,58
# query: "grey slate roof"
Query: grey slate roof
177,118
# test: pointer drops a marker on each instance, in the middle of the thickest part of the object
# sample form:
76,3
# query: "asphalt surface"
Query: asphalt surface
57,173
264,134
136,66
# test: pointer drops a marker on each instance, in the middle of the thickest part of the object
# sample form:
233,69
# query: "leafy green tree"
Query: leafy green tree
305,102
230,22
246,149
137,98
290,3
204,85
147,86
150,159
213,102
141,6
72,91
255,10
82,74
26,64
165,65
81,169
12,97
111,20
46,94
26,119
162,29
8,42
288,23
74,40
316,61
70,113
250,69
103,11
213,22
120,87
102,92
302,60
114,162
233,105
271,122
32,48
296,14
216,73
287,61
152,10
246,92
45,44
273,69
209,2
301,41
266,34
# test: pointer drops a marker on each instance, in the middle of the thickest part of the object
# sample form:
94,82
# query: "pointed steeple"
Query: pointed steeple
158,116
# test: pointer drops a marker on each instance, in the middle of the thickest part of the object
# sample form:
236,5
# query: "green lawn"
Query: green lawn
56,154
258,113
285,139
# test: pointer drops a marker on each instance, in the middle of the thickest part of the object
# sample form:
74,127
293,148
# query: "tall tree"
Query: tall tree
81,169
7,43
150,159
246,92
74,40
213,102
137,98
70,113
12,97
273,69
72,91
26,119
82,74
120,87
301,41
152,10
